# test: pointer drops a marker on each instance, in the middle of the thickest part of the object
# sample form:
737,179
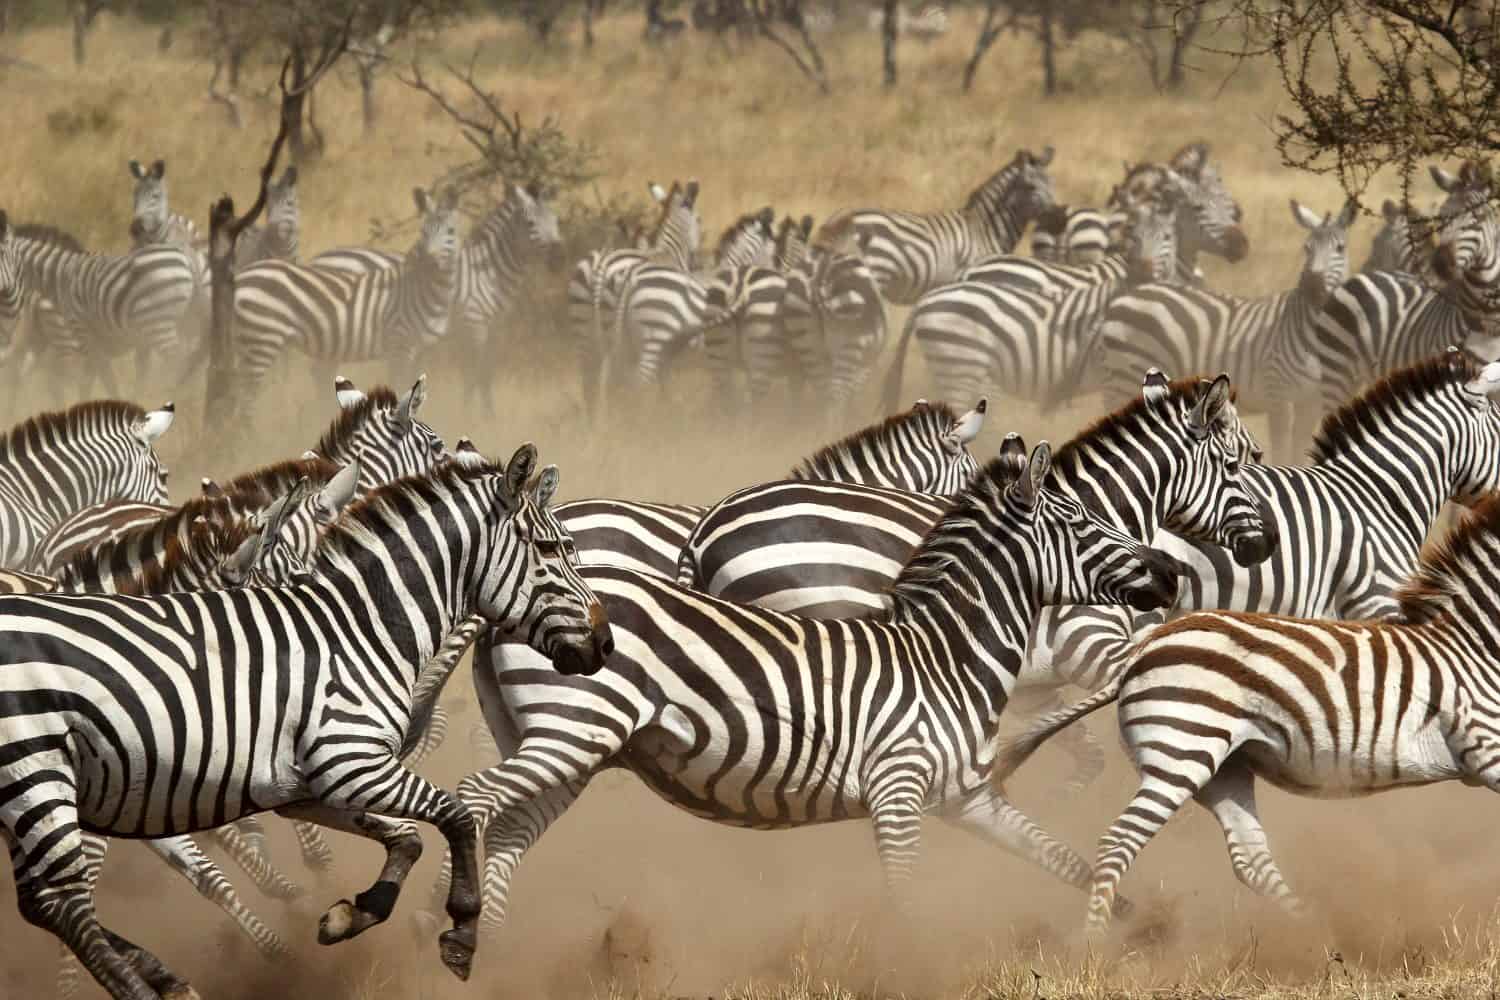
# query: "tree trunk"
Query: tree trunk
988,32
220,383
292,106
367,96
1182,40
81,18
315,146
1049,53
888,39
4,16
588,24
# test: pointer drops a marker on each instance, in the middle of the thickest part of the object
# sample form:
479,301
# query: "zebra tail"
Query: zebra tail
687,569
1014,752
891,395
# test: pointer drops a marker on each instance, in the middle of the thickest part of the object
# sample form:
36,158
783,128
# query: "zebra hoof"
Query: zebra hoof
183,992
337,924
457,950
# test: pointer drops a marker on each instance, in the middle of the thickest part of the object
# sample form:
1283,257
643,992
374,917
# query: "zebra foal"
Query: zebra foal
155,716
1215,700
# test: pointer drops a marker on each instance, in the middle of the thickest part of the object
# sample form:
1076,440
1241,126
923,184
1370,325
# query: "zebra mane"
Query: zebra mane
206,543
42,233
930,561
1463,561
269,482
93,418
932,417
218,515
1362,416
997,185
1184,391
763,217
394,502
349,421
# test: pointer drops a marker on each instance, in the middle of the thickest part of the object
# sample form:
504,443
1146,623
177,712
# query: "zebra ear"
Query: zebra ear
1305,217
345,392
1210,403
1013,449
690,193
339,491
412,401
1443,178
967,427
136,170
1028,489
236,566
449,199
289,176
658,193
1190,158
1390,211
1156,386
158,169
545,486
518,470
517,191
1046,158
154,424
274,517
420,198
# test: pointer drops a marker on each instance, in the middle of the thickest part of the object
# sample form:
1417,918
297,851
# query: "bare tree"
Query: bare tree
1373,84
1154,23
890,11
84,14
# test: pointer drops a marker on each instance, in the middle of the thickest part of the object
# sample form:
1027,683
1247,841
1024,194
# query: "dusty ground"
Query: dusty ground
1402,885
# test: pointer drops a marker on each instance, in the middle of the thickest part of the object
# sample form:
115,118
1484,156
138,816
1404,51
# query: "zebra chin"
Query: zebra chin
583,653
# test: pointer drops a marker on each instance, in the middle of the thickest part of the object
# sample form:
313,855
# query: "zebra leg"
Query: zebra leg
59,898
986,813
184,855
1230,796
1162,792
389,790
241,850
316,853
254,832
94,849
436,732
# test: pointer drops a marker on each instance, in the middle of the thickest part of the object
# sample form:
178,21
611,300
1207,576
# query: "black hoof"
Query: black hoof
457,950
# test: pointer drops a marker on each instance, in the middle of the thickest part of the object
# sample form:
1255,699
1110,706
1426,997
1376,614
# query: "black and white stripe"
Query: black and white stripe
201,705
332,315
1077,237
911,253
753,718
280,237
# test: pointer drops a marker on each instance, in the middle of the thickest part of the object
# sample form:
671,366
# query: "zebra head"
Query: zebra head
382,433
793,241
438,241
1208,500
149,209
750,241
1016,194
1073,556
1468,244
542,225
1398,244
678,233
1151,237
528,582
843,287
143,468
1212,225
1325,254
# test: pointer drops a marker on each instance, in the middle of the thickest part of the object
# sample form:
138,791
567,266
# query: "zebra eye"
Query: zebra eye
547,548
1232,467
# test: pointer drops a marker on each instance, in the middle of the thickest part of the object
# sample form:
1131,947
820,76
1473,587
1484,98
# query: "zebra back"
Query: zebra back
1075,236
923,450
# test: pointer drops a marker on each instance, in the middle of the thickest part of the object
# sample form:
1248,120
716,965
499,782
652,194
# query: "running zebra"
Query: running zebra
281,236
1214,700
984,336
57,463
923,450
331,315
911,253
335,671
1266,343
596,281
661,309
749,717
1377,322
102,305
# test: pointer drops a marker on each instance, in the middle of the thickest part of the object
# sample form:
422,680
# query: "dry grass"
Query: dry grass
692,909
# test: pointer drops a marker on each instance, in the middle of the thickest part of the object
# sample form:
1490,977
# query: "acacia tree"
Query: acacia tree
1374,84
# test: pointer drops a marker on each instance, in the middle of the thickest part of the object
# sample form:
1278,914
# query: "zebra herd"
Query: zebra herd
838,644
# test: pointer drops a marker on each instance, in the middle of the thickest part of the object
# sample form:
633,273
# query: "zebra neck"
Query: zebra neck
491,257
1134,494
424,289
995,225
1409,493
47,270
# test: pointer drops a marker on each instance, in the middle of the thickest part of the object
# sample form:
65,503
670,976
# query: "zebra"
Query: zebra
102,305
855,718
1351,524
924,449
280,237
747,296
661,309
338,316
153,223
1266,343
1376,322
1398,245
58,462
910,253
979,335
1076,236
1212,227
333,659
1212,701
596,281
